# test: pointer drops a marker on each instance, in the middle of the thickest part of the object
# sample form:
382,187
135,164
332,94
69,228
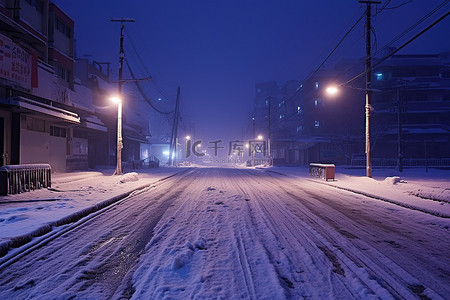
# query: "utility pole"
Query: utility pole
118,170
268,138
400,131
368,82
173,138
253,123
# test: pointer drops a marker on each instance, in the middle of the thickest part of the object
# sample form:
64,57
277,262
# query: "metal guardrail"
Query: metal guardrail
16,179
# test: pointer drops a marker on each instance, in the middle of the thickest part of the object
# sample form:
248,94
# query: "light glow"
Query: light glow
332,90
115,99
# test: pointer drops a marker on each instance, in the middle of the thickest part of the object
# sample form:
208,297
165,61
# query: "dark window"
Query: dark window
37,4
57,131
63,28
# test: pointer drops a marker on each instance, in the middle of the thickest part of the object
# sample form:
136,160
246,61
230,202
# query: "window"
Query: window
37,4
299,128
57,131
316,124
317,85
63,73
63,28
299,110
316,102
35,124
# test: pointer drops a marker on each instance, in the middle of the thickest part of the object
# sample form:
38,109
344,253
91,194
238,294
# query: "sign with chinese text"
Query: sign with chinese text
15,63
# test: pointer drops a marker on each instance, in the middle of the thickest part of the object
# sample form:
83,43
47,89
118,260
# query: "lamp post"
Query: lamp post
333,90
119,135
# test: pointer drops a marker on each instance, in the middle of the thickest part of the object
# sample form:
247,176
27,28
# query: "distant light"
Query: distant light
159,99
247,145
166,153
380,76
260,137
188,137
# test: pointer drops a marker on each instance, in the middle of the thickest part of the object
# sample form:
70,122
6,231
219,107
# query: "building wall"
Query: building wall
58,146
5,151
34,147
33,15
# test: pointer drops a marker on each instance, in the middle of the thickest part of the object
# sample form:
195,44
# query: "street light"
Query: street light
333,90
119,135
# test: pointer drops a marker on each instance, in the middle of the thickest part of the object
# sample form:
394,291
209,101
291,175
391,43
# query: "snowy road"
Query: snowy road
241,234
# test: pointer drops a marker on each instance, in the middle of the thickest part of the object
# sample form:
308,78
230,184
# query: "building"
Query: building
49,100
412,110
410,116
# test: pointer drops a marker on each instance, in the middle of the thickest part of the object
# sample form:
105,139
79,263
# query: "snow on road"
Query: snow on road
243,234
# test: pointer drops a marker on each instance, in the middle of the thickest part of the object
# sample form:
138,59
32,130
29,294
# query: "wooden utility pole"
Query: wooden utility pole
118,170
173,138
269,117
368,82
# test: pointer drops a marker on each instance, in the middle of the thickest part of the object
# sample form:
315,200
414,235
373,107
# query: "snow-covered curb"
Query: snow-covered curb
399,203
18,241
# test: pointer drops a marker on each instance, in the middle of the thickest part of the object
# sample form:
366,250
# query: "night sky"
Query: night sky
216,51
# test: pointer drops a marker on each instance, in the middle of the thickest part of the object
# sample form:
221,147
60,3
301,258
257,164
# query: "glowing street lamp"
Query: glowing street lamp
260,137
119,135
332,90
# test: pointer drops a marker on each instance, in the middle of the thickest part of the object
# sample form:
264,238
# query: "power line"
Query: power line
400,48
294,113
141,91
158,88
421,20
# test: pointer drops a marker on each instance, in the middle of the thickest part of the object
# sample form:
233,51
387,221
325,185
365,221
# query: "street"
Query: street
231,233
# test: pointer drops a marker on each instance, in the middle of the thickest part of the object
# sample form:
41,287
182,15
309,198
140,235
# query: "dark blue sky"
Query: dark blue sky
218,50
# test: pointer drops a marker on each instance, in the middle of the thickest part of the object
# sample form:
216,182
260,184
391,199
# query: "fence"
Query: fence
149,162
407,162
15,179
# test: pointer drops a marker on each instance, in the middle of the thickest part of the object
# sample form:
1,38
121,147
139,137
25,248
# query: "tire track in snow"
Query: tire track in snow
228,265
87,261
364,256
306,259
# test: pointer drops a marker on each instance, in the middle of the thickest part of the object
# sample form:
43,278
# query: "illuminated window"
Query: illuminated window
316,102
380,76
317,84
316,124
299,110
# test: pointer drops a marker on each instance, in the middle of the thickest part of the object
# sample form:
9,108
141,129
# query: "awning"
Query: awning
92,122
42,108
137,139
